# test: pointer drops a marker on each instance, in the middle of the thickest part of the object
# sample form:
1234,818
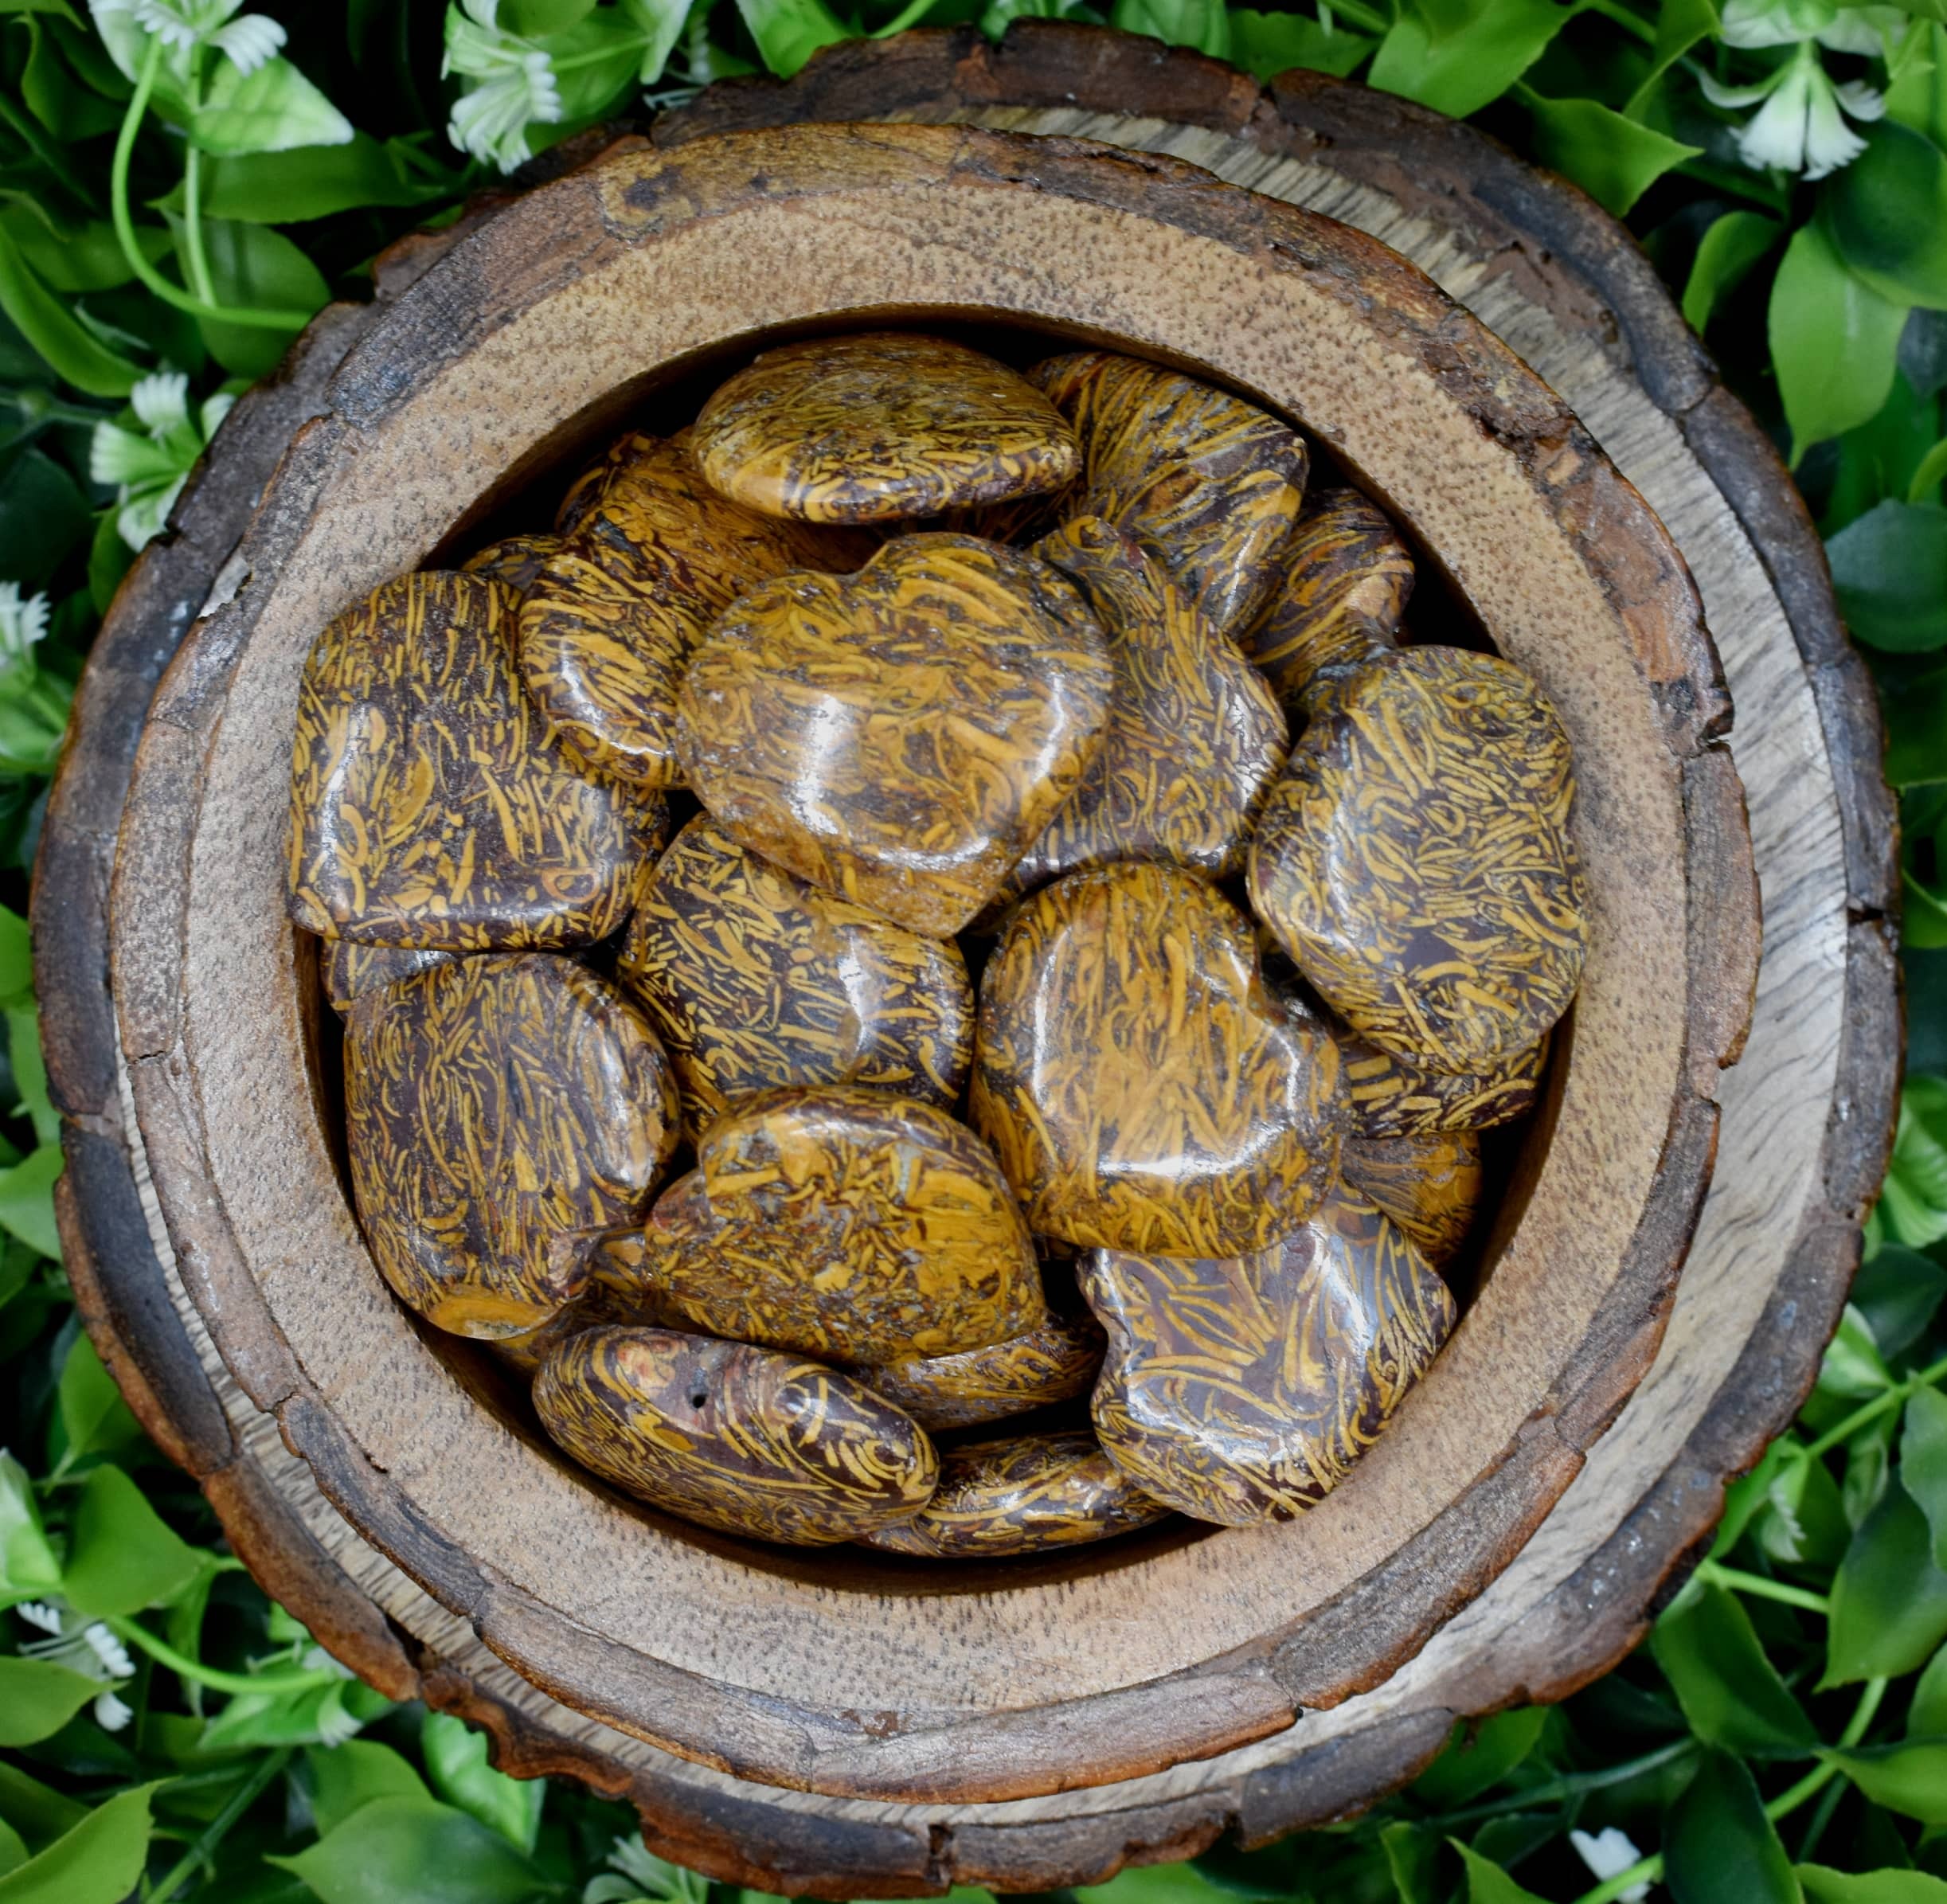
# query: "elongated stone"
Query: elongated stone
428,806
1054,1363
902,735
877,428
608,624
1141,1088
1208,483
599,1304
1024,1494
1244,1389
348,968
496,1109
1430,1186
738,1438
515,561
1415,860
844,1223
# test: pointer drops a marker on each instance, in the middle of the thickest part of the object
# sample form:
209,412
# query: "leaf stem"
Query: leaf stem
1614,9
1571,1785
213,1833
909,15
1761,1588
1895,1397
1368,19
195,259
184,1667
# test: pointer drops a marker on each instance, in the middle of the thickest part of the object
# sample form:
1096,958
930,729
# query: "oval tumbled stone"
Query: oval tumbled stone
515,560
1142,1090
844,1222
878,427
1415,860
495,1109
754,977
428,806
1244,1389
1430,1186
1054,1363
739,1438
902,735
1026,1493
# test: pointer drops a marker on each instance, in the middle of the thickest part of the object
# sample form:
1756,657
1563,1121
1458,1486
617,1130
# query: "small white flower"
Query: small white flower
335,1725
110,1651
110,1714
37,1612
1801,127
147,471
517,86
160,401
252,41
82,1645
23,624
1607,1854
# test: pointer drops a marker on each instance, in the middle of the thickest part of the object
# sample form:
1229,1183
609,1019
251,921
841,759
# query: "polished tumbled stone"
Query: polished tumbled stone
1055,1363
1430,1186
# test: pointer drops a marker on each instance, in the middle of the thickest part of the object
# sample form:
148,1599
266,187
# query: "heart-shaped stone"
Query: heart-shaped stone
900,735
754,977
429,807
496,1109
1054,1363
739,1438
1244,1389
1142,1087
1430,1186
879,427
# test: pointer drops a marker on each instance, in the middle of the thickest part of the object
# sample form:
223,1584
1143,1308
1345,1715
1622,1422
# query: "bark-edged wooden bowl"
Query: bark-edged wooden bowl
838,1675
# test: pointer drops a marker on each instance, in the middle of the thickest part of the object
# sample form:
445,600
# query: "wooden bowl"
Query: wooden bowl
836,1674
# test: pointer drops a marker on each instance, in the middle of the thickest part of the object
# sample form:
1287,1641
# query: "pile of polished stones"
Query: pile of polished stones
930,964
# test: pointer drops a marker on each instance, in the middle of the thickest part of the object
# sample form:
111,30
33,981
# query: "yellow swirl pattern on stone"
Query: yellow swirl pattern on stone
844,1223
1026,1493
609,623
1416,863
348,969
754,977
885,426
1054,1363
515,560
738,1438
428,806
601,1303
1244,1389
1208,483
1430,1186
1392,1096
496,1109
901,736
1142,1090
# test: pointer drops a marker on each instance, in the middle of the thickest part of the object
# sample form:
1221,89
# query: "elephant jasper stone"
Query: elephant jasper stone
1208,483
515,561
738,1438
349,969
609,622
1344,582
497,1108
902,735
878,427
844,1223
1392,1096
1022,1494
429,807
1142,1090
1430,1186
1244,1389
754,977
1415,860
1054,1363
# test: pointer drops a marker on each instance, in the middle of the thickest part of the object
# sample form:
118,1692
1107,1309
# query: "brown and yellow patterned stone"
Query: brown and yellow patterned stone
589,487
901,736
1054,1363
880,426
1392,1096
735,1437
1142,1090
600,1304
1415,860
428,806
1244,1389
1208,483
348,968
1026,1493
1430,1186
516,560
1344,582
496,1109
608,624
754,977
844,1223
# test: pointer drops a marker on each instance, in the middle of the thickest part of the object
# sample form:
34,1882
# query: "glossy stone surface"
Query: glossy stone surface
495,1109
1344,581
754,977
516,560
878,427
1142,1090
1244,1389
844,1223
738,1438
1054,1363
901,736
1430,1186
609,623
1392,1096
1024,1494
1415,860
599,1304
1208,483
428,806
348,968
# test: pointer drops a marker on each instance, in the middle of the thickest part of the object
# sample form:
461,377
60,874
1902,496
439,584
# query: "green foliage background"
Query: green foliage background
177,196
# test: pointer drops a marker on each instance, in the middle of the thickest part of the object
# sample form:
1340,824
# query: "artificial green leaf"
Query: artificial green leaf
1803,1522
1898,1290
1146,1884
533,18
1852,1368
1917,96
312,181
1744,1497
1834,341
414,1847
1878,459
1886,214
788,32
1680,24
455,1757
1823,1885
43,516
1928,475
1470,1764
1726,256
1729,1691
13,1849
1479,50
23,1024
253,266
94,1418
37,1811
38,1697
1717,1844
16,960
70,111
344,1777
1926,1714
1888,1600
1913,1198
327,1712
1908,1777
84,257
1412,1858
1269,43
1203,24
1486,1883
1890,569
1869,1461
1923,922
28,1568
27,1199
1613,158
1923,1463
124,1556
273,109
99,1861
